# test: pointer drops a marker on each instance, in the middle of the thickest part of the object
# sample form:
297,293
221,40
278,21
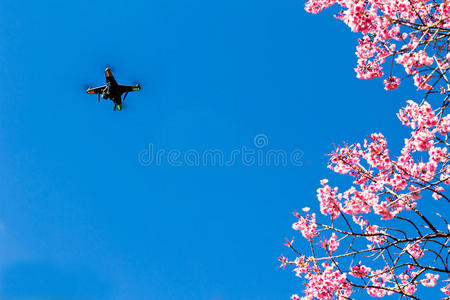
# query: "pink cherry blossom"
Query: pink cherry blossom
438,192
307,226
422,82
330,245
414,250
430,280
329,200
326,282
360,270
446,289
367,69
391,83
375,235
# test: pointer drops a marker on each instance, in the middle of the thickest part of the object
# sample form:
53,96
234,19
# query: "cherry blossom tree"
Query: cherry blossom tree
376,236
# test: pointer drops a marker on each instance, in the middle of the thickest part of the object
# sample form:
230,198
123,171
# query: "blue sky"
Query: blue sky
83,219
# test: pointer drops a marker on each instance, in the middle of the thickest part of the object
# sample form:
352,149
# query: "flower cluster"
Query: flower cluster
306,225
359,270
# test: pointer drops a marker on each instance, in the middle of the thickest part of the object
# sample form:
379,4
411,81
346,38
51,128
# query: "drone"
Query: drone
112,90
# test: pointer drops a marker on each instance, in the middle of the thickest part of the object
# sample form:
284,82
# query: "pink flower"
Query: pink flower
329,200
430,280
326,283
422,82
413,60
444,125
345,159
330,245
360,221
360,270
374,235
436,195
446,289
375,292
391,83
359,202
307,226
302,266
423,139
378,279
316,6
377,154
368,69
366,48
414,250
382,209
437,154
415,116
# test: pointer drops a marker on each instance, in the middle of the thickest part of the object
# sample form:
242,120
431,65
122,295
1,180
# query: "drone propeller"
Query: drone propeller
112,69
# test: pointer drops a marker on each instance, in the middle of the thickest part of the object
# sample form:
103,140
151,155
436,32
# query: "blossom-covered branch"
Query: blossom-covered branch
412,33
378,238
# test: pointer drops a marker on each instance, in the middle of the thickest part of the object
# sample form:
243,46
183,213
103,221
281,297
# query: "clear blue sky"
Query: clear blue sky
83,219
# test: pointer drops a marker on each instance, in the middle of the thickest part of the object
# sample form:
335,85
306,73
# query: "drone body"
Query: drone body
112,90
